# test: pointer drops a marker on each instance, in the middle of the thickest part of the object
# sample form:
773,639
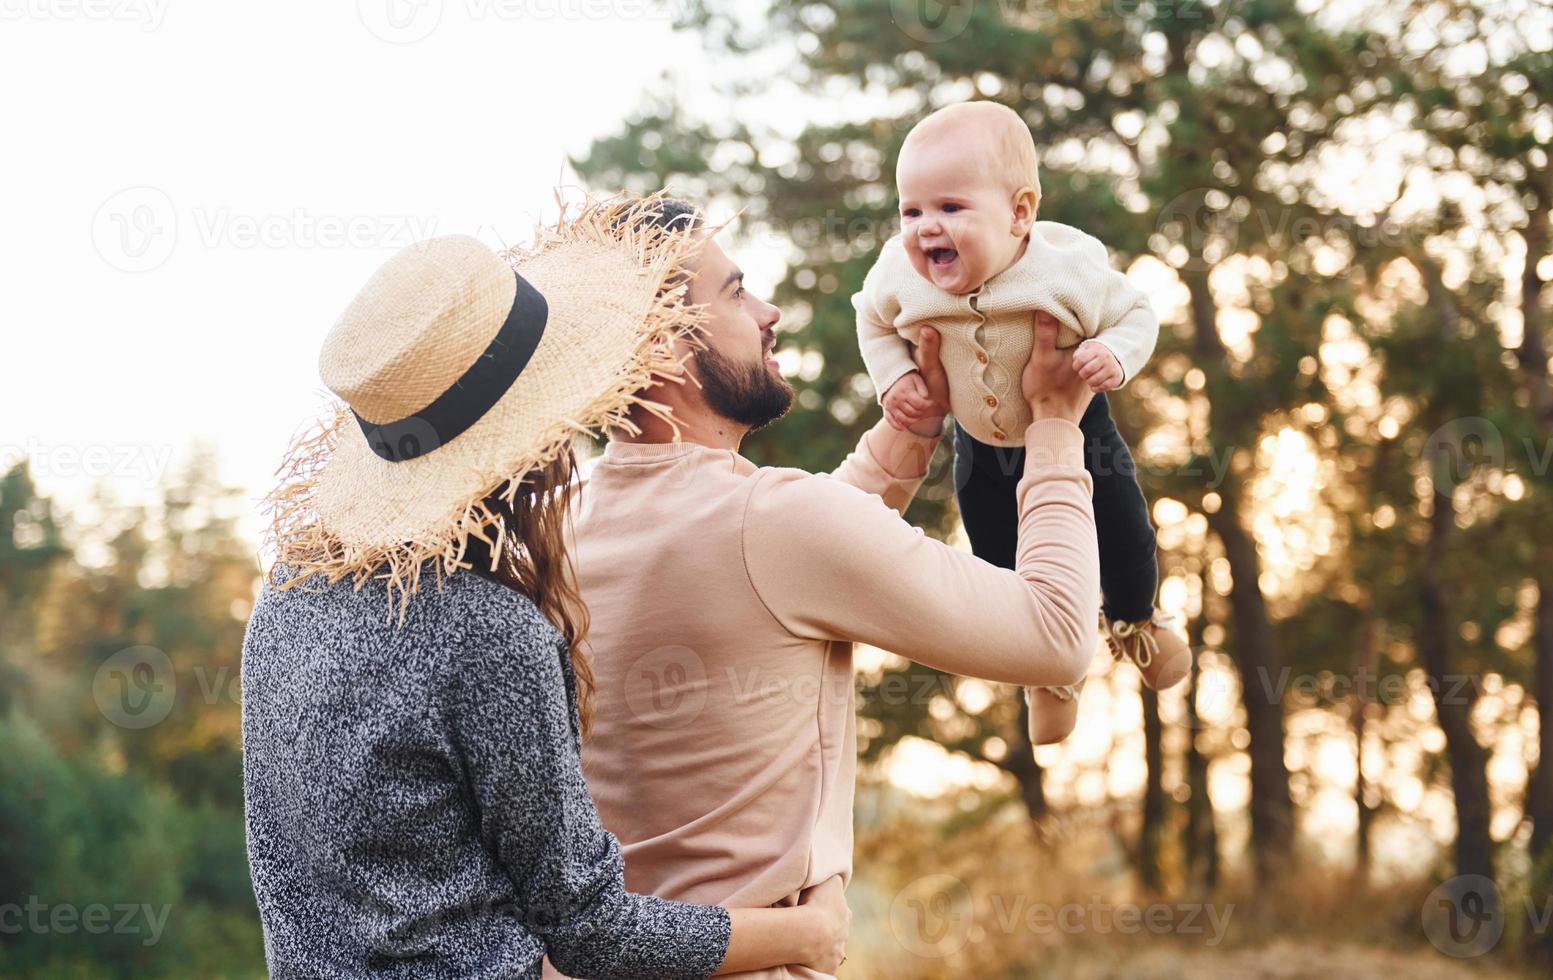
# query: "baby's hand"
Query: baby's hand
1095,363
907,402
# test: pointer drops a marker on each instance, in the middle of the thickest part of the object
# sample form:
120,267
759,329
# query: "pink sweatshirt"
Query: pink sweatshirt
724,600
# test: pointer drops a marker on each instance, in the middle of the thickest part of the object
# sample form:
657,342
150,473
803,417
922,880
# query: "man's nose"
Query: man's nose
769,315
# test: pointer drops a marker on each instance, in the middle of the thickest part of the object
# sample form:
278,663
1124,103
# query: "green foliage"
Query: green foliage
139,829
76,836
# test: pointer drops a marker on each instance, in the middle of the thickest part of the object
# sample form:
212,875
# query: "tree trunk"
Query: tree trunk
1020,763
1533,352
1251,647
1364,675
1202,838
1539,805
1454,695
1372,633
1539,793
1150,872
1533,357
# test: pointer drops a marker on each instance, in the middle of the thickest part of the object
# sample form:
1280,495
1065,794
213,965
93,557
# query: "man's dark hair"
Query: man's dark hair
668,213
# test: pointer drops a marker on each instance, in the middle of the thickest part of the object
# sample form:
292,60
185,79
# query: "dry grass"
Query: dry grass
987,899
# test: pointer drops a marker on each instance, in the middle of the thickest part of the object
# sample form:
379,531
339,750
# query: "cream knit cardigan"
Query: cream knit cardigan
987,334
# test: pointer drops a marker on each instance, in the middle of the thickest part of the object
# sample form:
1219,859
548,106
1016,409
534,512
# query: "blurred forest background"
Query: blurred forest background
1342,213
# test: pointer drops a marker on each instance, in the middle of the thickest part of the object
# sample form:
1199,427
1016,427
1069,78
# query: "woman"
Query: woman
413,689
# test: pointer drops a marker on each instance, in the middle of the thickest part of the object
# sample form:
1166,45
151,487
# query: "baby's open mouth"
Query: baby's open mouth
942,256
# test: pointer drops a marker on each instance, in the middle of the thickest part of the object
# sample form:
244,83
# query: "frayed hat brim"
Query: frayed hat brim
620,322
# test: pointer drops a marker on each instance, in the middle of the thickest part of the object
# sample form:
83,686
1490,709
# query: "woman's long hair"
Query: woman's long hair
534,558
535,562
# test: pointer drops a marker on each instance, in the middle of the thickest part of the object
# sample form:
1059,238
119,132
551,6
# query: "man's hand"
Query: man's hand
1049,383
1099,368
930,371
833,921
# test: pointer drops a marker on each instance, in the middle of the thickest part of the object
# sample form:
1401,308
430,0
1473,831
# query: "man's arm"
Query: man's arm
832,563
888,464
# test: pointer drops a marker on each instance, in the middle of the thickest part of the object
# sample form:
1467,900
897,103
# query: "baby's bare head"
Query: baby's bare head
989,138
969,185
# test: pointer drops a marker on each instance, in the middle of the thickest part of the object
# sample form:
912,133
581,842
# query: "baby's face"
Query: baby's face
958,224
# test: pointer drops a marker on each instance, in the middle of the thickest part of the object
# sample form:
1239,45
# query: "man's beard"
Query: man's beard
745,394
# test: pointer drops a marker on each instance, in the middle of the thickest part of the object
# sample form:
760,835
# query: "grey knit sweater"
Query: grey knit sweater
415,801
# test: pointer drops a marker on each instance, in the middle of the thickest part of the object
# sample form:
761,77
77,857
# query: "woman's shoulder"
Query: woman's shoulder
496,648
472,597
462,609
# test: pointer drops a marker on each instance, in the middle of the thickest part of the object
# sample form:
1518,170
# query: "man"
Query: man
725,598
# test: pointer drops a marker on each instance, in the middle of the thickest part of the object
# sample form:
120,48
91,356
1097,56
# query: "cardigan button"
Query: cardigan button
981,356
992,402
999,436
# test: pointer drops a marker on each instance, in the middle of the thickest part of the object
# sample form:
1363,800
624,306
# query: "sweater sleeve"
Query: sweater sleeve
1116,313
510,719
888,464
886,354
833,563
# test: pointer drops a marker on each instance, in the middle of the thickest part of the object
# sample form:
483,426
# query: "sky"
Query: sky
192,194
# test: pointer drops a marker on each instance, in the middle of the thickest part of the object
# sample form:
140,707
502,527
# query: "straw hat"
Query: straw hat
459,370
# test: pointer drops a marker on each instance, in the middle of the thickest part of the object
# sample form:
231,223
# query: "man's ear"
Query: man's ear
1026,201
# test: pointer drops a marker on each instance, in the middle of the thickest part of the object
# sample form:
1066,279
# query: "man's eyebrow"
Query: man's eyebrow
733,277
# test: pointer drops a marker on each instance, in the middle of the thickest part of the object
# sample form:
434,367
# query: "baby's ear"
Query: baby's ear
1026,201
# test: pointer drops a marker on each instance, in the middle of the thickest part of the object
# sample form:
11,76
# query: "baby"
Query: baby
972,261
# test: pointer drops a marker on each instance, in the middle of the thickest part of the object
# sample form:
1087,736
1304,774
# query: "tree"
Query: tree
95,811
1129,111
30,549
174,581
1496,122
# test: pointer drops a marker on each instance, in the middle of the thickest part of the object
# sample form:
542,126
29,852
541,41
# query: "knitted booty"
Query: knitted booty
1053,712
1153,645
